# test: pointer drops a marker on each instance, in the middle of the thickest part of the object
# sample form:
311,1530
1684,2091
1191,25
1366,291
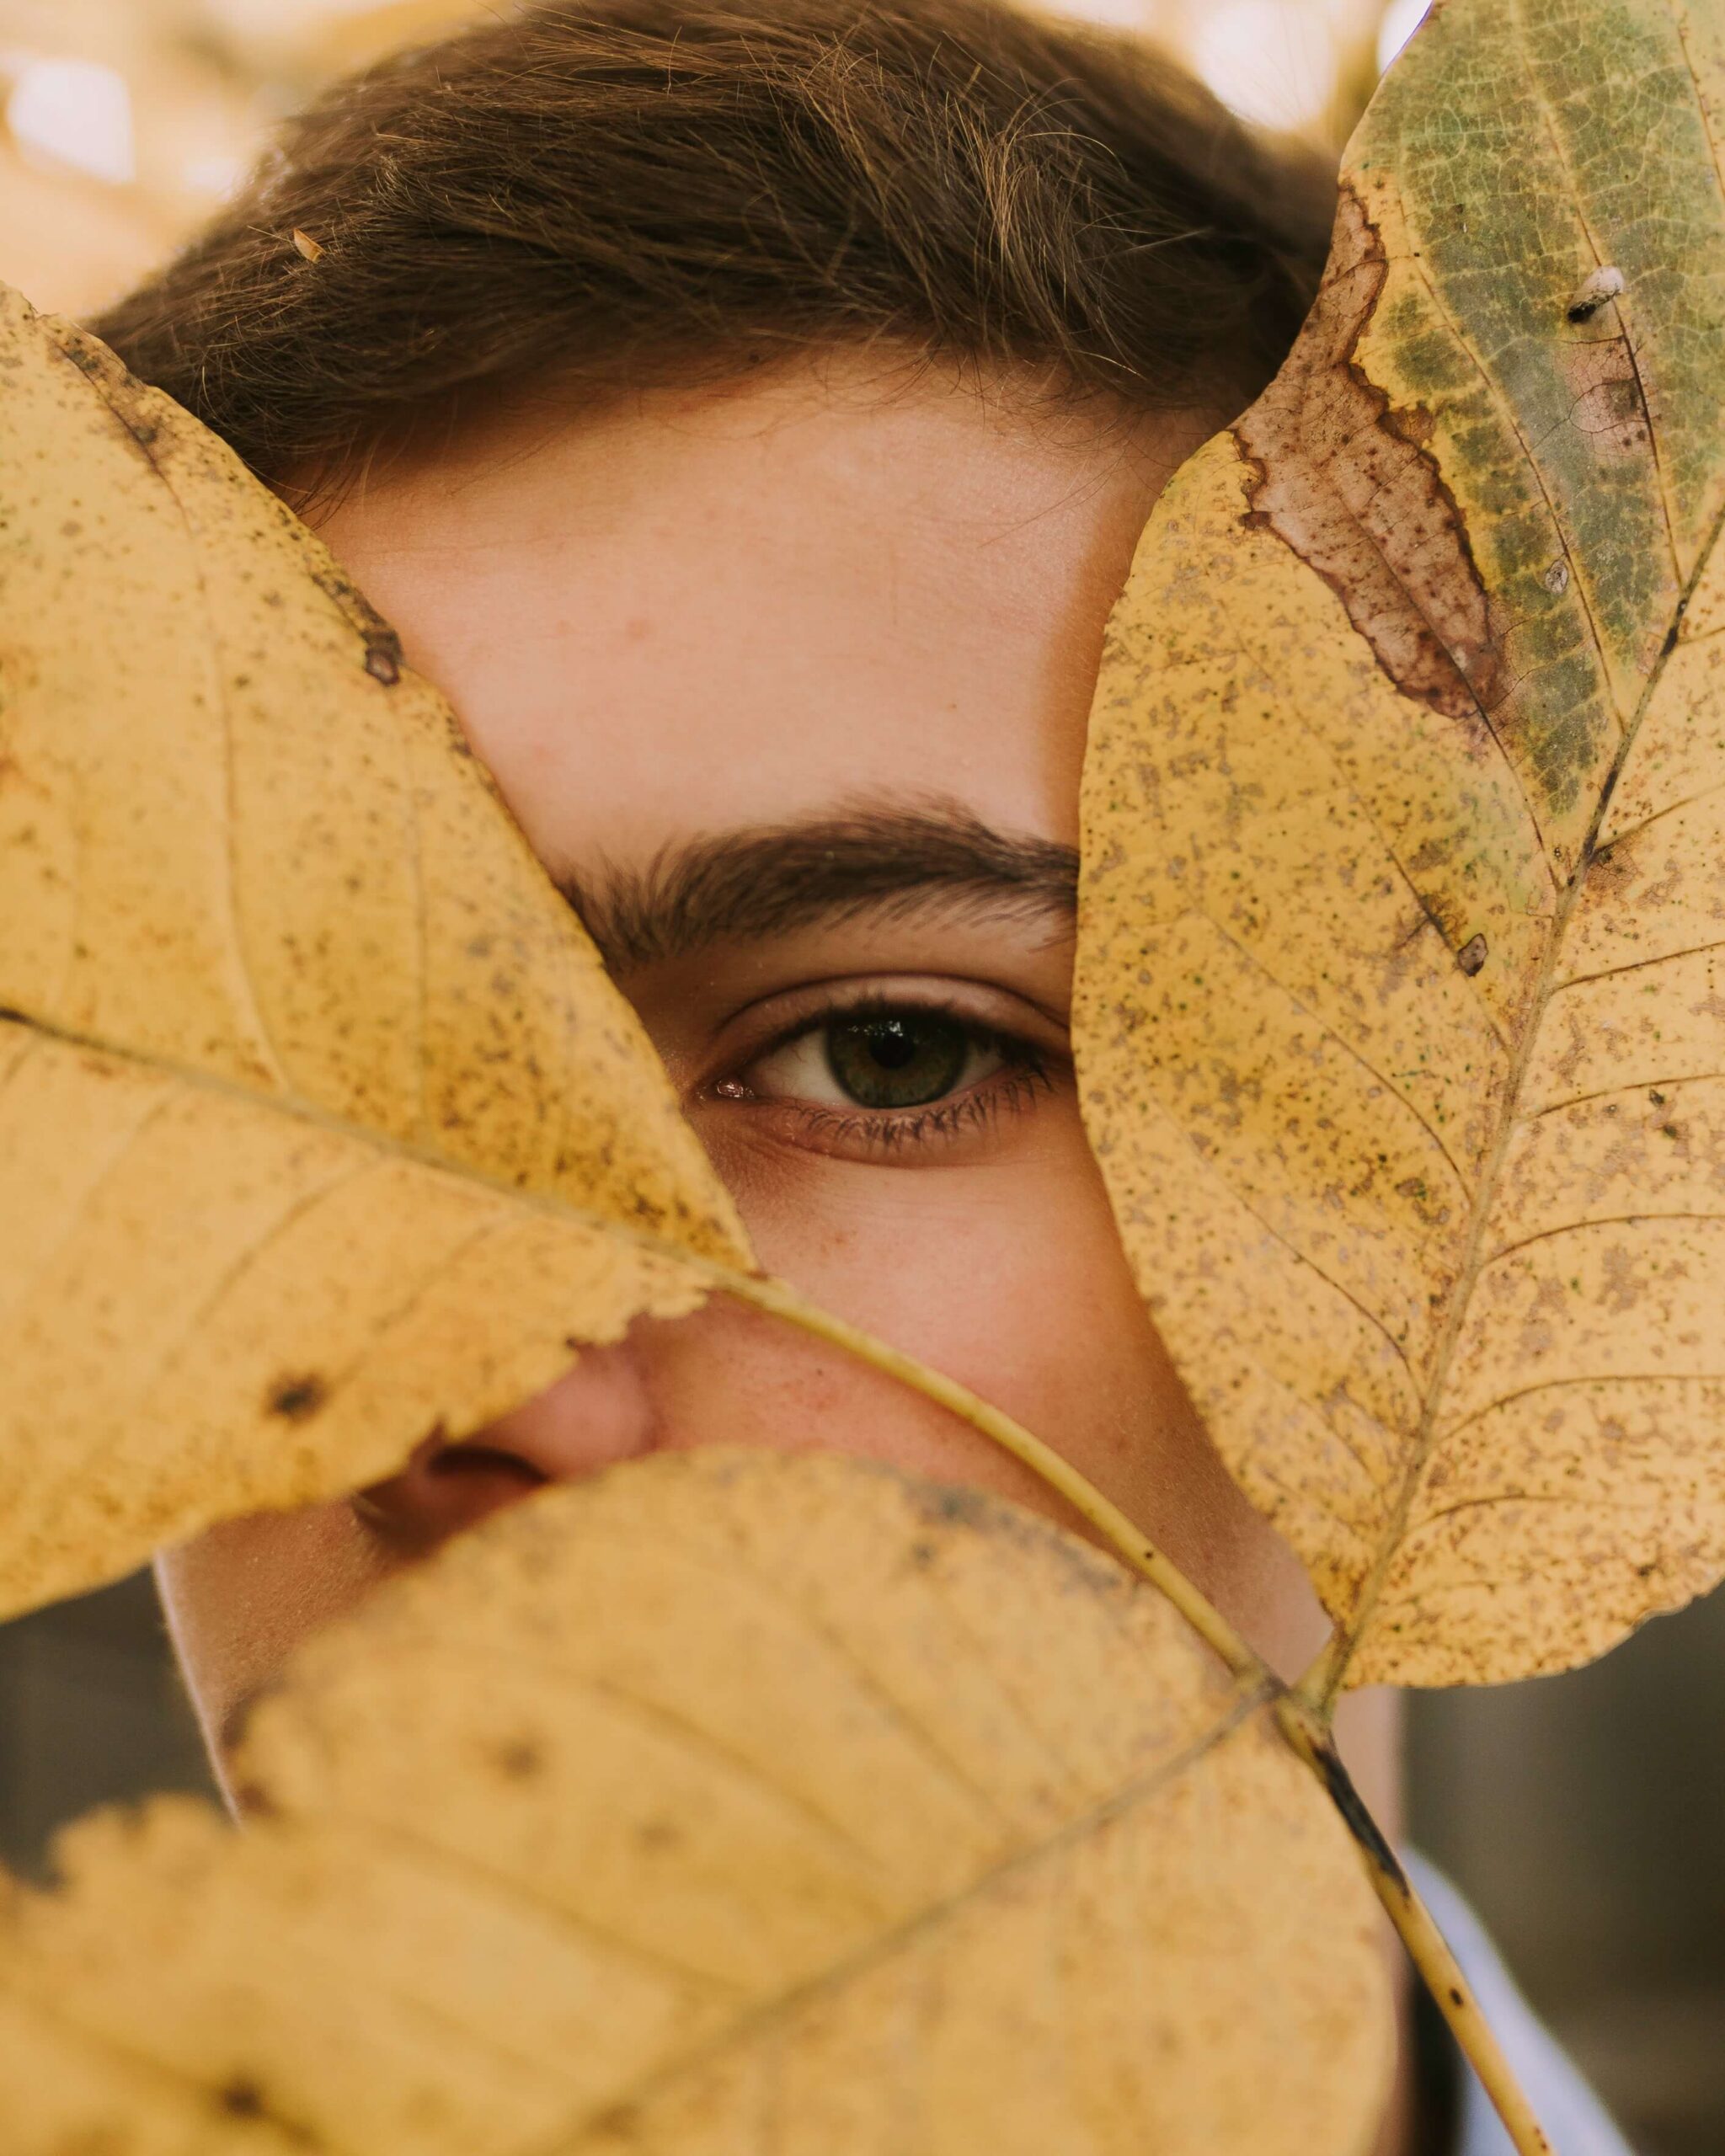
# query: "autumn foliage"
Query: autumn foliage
747,1803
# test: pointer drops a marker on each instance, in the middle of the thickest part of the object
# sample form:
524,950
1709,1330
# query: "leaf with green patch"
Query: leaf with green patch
1398,1029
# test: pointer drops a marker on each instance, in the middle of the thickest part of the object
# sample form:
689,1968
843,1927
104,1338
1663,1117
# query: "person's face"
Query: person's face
788,685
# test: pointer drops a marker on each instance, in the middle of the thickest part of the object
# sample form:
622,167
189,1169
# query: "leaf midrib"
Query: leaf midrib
1321,1683
296,1107
782,2005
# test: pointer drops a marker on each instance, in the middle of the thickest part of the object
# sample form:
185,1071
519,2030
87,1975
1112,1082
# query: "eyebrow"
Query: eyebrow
750,884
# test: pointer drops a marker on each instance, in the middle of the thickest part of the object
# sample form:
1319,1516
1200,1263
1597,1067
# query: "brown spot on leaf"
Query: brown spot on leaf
383,659
1604,283
1471,956
1413,423
1609,407
1350,486
1610,872
521,1760
296,1398
383,653
950,1506
241,2097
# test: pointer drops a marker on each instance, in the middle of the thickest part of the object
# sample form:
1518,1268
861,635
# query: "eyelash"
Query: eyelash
1026,1074
899,1130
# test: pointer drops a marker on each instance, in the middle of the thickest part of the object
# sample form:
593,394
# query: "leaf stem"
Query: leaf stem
1318,1683
1309,1735
783,1301
1301,1713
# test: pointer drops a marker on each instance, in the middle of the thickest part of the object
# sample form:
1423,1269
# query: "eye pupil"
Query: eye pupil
896,1061
891,1043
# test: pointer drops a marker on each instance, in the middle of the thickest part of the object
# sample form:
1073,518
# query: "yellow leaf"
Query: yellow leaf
729,1803
1397,1023
320,1125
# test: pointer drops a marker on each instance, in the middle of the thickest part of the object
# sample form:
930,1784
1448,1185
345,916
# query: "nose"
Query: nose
597,1413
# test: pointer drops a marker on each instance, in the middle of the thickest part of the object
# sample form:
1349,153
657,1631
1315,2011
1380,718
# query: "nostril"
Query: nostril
599,1413
443,1488
469,1461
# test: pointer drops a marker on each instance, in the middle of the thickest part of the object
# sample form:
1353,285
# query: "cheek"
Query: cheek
1006,1273
1009,1276
240,1596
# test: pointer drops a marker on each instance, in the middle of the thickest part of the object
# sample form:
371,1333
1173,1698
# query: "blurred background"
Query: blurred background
1584,1815
127,121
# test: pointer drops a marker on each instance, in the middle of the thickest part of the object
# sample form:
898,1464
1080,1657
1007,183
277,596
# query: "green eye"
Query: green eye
896,1060
877,1061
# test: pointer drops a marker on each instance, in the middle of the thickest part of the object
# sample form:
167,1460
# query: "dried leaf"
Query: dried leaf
728,1802
320,1125
1398,1026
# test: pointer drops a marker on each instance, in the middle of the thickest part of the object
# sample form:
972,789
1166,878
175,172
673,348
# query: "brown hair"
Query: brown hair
609,193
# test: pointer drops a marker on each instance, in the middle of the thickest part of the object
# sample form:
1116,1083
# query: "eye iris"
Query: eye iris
898,1062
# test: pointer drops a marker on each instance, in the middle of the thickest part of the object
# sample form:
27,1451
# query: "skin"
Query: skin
820,592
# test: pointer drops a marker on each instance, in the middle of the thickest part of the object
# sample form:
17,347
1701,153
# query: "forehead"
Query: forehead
702,610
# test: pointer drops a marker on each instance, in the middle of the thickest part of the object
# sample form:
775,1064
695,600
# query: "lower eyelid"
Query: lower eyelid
892,1134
